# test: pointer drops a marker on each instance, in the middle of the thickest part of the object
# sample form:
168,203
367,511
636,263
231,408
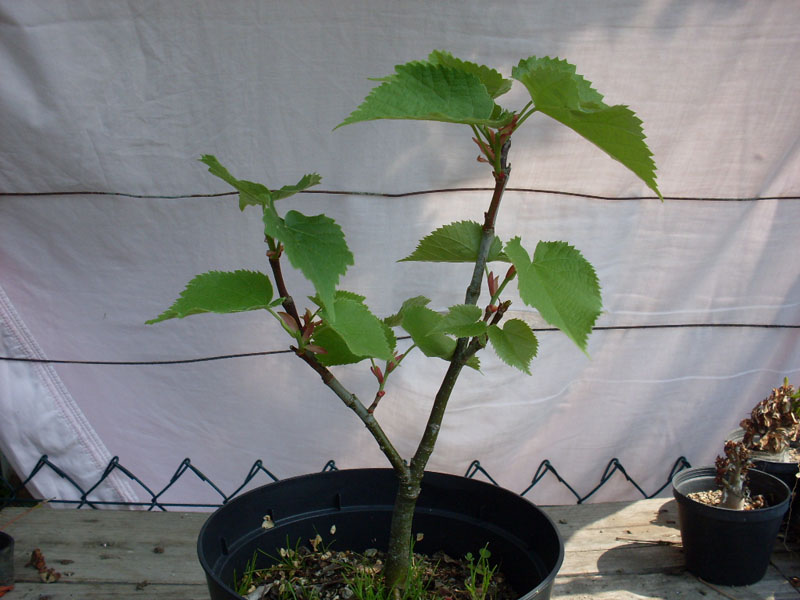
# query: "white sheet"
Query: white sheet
121,98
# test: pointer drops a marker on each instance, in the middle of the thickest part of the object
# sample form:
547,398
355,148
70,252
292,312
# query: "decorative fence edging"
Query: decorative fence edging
11,494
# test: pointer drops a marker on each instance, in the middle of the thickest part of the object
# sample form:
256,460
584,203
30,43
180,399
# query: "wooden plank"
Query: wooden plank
668,586
106,591
613,551
113,546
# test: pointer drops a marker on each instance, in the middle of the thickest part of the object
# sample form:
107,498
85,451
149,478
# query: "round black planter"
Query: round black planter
456,515
724,546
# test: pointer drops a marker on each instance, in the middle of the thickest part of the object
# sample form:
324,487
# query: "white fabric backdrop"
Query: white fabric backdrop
122,97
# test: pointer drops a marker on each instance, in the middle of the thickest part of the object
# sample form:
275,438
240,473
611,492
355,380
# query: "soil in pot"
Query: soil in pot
315,572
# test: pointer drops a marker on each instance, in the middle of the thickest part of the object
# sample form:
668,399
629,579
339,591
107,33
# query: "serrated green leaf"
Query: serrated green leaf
220,292
515,344
362,331
457,242
495,83
256,194
463,320
336,350
431,92
560,93
422,324
561,284
250,194
314,245
307,181
396,319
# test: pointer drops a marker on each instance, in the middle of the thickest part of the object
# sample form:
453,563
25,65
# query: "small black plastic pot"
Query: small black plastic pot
6,559
724,546
455,515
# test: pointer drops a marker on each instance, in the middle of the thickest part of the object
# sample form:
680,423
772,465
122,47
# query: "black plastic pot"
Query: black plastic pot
724,546
456,515
6,559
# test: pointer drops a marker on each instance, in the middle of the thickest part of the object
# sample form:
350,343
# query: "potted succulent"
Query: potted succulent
729,517
337,328
771,433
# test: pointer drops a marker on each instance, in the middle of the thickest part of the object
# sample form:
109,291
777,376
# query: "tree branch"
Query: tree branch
350,400
464,349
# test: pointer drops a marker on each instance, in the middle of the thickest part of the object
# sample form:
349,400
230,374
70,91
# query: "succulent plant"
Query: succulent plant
773,423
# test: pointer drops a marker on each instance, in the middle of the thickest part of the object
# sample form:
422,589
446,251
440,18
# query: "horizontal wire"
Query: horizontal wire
288,351
415,193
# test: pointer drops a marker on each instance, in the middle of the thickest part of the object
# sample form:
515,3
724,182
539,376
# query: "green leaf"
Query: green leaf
423,325
363,333
220,292
431,92
256,194
495,83
559,92
396,319
250,194
463,320
515,344
456,242
314,245
560,284
307,181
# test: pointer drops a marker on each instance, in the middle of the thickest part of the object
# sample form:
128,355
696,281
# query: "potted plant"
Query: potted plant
337,327
771,433
729,517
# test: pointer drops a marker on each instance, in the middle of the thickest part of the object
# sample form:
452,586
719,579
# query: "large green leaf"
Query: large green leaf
315,245
431,92
495,83
515,344
560,284
424,327
397,319
456,242
363,333
220,292
559,92
463,320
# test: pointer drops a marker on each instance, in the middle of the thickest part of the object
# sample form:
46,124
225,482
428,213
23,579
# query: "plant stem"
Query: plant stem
329,379
399,554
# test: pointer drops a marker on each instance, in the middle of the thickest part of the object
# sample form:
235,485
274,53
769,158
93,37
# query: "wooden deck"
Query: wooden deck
613,551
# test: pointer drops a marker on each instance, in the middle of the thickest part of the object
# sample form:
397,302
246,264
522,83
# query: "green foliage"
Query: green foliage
481,573
314,245
396,320
362,333
456,243
425,326
220,292
463,320
256,194
557,280
515,344
559,92
560,284
496,85
433,92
